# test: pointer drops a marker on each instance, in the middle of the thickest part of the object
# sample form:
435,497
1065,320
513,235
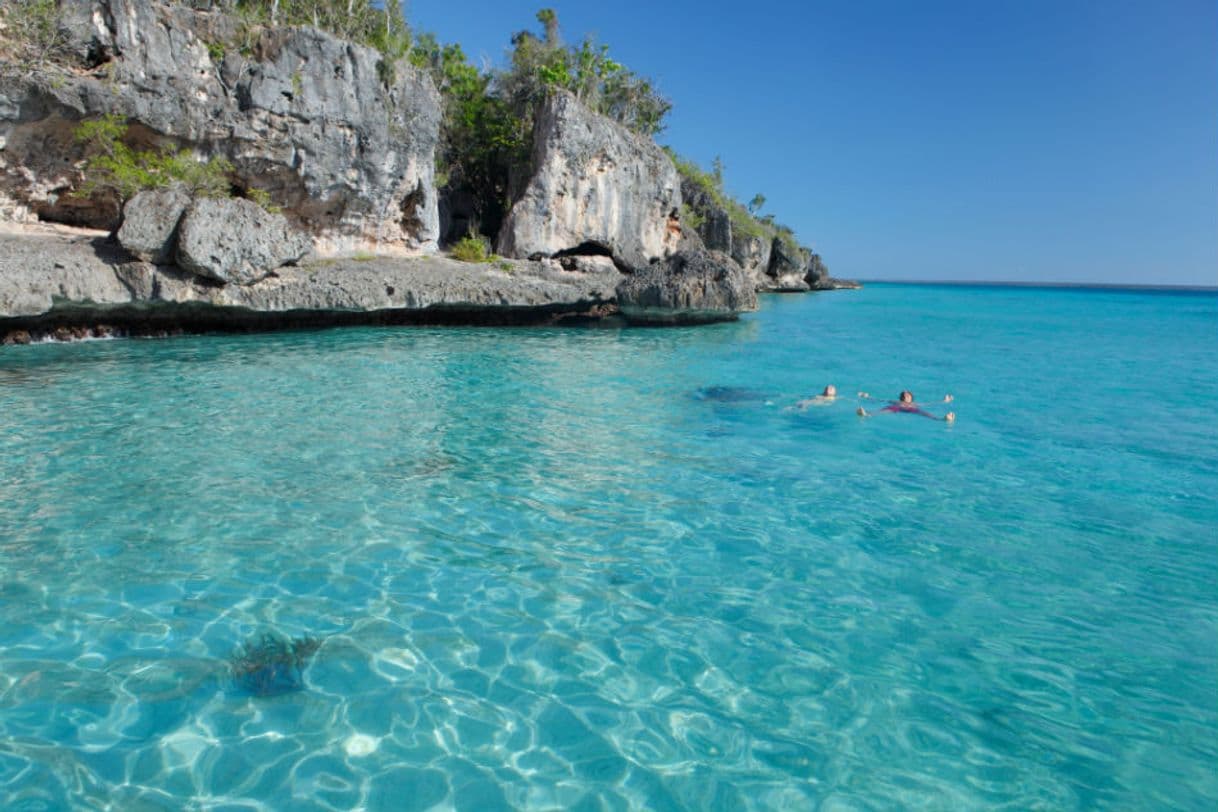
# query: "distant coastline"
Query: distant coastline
1105,286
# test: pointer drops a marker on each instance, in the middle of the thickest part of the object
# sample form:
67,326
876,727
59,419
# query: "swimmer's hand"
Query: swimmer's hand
861,412
950,417
947,398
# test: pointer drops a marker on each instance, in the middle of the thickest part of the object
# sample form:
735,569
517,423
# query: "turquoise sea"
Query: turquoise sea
607,569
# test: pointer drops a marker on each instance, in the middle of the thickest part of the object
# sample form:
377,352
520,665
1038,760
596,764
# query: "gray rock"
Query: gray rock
49,277
787,267
233,240
150,224
786,259
596,187
716,227
753,255
307,117
38,272
689,287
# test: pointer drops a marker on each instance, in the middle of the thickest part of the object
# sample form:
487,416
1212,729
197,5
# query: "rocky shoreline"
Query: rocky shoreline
66,285
324,206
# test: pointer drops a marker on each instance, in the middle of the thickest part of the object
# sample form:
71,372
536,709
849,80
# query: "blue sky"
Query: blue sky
1021,140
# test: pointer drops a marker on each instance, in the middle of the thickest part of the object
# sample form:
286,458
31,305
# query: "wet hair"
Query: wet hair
905,392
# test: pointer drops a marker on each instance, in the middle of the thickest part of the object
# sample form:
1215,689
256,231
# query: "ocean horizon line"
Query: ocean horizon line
990,283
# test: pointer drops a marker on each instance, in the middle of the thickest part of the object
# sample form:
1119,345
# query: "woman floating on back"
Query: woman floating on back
906,405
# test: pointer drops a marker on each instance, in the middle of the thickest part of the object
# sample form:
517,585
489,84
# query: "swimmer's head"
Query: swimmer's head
907,397
830,391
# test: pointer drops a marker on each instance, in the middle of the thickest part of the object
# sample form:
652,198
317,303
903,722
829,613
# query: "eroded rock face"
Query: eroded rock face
753,254
343,144
692,286
716,226
150,224
788,265
596,188
816,274
236,241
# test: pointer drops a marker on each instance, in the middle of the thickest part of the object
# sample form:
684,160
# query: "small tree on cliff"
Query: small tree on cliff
114,169
600,82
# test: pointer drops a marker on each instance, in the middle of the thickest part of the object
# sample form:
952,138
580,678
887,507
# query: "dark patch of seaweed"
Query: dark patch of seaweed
270,664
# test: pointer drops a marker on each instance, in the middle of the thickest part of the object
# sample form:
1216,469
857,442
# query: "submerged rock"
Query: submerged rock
236,241
270,665
690,287
728,394
597,188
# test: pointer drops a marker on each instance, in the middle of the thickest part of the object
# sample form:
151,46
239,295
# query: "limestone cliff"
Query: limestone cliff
343,142
596,187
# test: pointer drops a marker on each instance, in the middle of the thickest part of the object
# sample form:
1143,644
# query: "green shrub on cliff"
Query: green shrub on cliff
482,139
379,23
744,223
600,82
114,167
29,31
472,248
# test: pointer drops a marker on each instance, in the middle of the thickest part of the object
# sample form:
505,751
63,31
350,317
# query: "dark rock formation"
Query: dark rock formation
596,187
150,224
342,142
236,241
788,264
689,287
716,226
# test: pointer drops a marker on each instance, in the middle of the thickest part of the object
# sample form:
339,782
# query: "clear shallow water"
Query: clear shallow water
547,573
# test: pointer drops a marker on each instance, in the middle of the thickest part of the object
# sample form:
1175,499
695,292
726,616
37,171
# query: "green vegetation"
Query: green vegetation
488,115
114,167
29,31
263,198
378,23
472,248
482,139
744,219
540,63
692,217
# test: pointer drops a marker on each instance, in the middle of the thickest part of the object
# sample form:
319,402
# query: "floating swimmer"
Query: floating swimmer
906,405
828,396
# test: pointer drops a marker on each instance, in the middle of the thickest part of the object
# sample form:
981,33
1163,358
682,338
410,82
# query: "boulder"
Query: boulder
150,224
596,188
236,241
689,287
341,140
